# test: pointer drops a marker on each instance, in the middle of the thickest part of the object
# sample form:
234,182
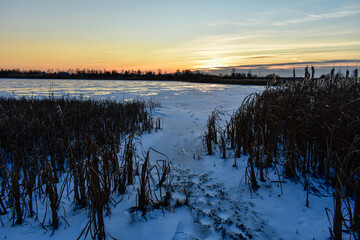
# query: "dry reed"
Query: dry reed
310,128
41,139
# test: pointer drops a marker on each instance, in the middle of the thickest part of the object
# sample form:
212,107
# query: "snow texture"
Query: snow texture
221,205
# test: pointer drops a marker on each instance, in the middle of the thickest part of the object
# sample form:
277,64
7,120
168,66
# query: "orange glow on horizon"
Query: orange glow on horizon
197,54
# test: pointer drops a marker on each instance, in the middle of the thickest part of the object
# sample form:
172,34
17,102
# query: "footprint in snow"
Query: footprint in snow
214,210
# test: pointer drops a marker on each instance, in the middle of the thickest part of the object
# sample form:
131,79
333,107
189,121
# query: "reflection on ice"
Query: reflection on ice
107,89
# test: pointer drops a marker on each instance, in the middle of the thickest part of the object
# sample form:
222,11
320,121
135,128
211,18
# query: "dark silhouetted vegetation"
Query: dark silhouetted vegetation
305,130
81,150
185,75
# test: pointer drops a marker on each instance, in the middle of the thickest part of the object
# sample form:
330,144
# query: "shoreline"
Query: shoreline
255,81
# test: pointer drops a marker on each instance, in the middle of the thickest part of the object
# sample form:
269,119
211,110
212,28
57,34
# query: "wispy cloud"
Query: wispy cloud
288,17
234,44
316,17
258,46
260,57
285,69
246,22
338,62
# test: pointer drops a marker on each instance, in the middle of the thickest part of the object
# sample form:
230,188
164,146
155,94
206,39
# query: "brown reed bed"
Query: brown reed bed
75,148
305,129
213,129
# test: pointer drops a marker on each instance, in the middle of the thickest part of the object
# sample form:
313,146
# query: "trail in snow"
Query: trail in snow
221,204
217,212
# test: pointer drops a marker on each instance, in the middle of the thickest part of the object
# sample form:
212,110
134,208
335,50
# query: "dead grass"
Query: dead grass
309,129
44,140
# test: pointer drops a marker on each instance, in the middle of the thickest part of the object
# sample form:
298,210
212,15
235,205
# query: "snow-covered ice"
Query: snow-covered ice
221,204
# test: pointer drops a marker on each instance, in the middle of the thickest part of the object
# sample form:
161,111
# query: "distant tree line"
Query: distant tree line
131,75
185,75
105,74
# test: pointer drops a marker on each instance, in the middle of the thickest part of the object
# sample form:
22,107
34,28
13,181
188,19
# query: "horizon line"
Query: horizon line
272,66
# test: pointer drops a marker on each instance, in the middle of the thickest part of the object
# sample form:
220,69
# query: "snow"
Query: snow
221,204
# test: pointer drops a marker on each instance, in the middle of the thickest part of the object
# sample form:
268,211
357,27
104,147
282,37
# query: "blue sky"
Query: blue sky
195,34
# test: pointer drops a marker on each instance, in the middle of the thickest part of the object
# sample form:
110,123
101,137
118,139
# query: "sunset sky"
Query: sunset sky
170,35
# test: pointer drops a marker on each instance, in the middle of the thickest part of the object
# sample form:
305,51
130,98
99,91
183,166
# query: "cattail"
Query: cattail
312,72
52,193
143,195
307,74
129,155
210,135
253,181
332,73
223,144
338,217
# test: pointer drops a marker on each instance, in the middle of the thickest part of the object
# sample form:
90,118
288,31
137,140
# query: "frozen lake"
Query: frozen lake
113,89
